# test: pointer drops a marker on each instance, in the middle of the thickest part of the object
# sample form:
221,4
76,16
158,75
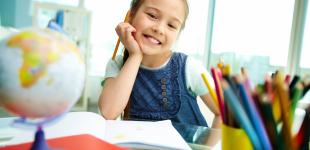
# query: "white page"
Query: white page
159,134
73,123
136,133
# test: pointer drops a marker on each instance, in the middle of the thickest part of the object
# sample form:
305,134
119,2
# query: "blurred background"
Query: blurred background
261,35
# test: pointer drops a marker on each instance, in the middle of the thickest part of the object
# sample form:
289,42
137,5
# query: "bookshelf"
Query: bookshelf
76,23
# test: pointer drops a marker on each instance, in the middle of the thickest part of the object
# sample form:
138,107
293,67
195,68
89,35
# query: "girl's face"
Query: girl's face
158,23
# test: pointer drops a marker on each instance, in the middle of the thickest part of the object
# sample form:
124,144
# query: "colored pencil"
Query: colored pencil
253,115
240,114
296,96
282,91
211,91
303,136
266,109
287,79
247,83
219,93
295,80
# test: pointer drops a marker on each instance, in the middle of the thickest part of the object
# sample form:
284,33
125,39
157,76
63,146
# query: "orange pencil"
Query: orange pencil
118,40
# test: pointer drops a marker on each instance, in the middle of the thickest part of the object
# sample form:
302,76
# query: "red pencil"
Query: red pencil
219,93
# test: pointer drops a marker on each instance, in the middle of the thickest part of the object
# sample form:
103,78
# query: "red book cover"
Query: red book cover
74,142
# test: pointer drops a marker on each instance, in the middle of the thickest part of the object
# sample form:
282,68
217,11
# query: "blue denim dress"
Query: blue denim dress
162,94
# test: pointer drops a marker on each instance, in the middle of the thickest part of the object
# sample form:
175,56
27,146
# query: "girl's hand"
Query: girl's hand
126,33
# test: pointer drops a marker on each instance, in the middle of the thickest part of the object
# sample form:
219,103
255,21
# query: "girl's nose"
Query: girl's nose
158,28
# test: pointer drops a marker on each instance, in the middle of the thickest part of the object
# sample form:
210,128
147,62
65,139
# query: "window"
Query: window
304,65
105,17
304,61
193,37
252,34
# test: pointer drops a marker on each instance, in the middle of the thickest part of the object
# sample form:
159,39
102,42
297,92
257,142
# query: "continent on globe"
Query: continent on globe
42,73
37,55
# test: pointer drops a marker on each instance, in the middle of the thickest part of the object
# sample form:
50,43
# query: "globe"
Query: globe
41,73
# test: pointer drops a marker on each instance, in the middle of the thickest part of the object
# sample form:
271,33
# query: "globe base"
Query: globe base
39,141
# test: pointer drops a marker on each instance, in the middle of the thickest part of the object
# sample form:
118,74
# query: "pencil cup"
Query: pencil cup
235,138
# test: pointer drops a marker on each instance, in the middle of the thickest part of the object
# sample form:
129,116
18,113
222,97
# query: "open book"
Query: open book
130,134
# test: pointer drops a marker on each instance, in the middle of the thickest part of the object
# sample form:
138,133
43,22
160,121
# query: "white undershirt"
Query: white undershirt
193,71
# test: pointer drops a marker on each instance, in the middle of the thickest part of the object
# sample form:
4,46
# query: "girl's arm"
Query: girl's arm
194,69
214,136
207,99
116,91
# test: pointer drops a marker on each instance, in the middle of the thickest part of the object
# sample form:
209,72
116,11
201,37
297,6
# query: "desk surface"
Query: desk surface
196,136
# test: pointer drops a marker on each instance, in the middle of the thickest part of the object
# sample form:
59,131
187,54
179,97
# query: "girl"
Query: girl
151,80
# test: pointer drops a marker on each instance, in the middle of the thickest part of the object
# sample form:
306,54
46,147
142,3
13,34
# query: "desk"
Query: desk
93,124
198,137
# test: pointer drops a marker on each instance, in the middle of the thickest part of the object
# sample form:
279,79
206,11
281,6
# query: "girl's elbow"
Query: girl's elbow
108,114
108,117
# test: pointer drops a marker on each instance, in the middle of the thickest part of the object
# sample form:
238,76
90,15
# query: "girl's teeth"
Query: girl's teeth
153,40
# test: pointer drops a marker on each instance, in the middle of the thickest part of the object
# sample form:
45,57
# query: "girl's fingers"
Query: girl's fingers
124,31
128,34
119,29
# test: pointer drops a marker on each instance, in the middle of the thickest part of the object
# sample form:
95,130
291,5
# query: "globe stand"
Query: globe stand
39,140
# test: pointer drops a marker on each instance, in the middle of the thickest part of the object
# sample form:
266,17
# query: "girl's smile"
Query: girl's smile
152,40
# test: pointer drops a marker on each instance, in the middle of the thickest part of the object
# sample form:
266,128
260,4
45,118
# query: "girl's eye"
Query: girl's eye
172,26
152,15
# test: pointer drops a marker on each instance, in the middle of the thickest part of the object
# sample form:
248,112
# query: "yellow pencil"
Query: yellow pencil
118,40
212,92
282,92
226,70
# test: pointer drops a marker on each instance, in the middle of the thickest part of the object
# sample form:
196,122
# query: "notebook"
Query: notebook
127,134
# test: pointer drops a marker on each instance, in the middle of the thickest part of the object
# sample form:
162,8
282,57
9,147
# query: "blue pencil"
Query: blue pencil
240,115
254,117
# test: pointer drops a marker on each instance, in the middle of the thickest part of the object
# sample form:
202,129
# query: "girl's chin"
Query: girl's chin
149,50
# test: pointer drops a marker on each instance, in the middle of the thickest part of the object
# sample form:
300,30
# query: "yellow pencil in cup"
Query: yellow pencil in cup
282,92
118,40
212,92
